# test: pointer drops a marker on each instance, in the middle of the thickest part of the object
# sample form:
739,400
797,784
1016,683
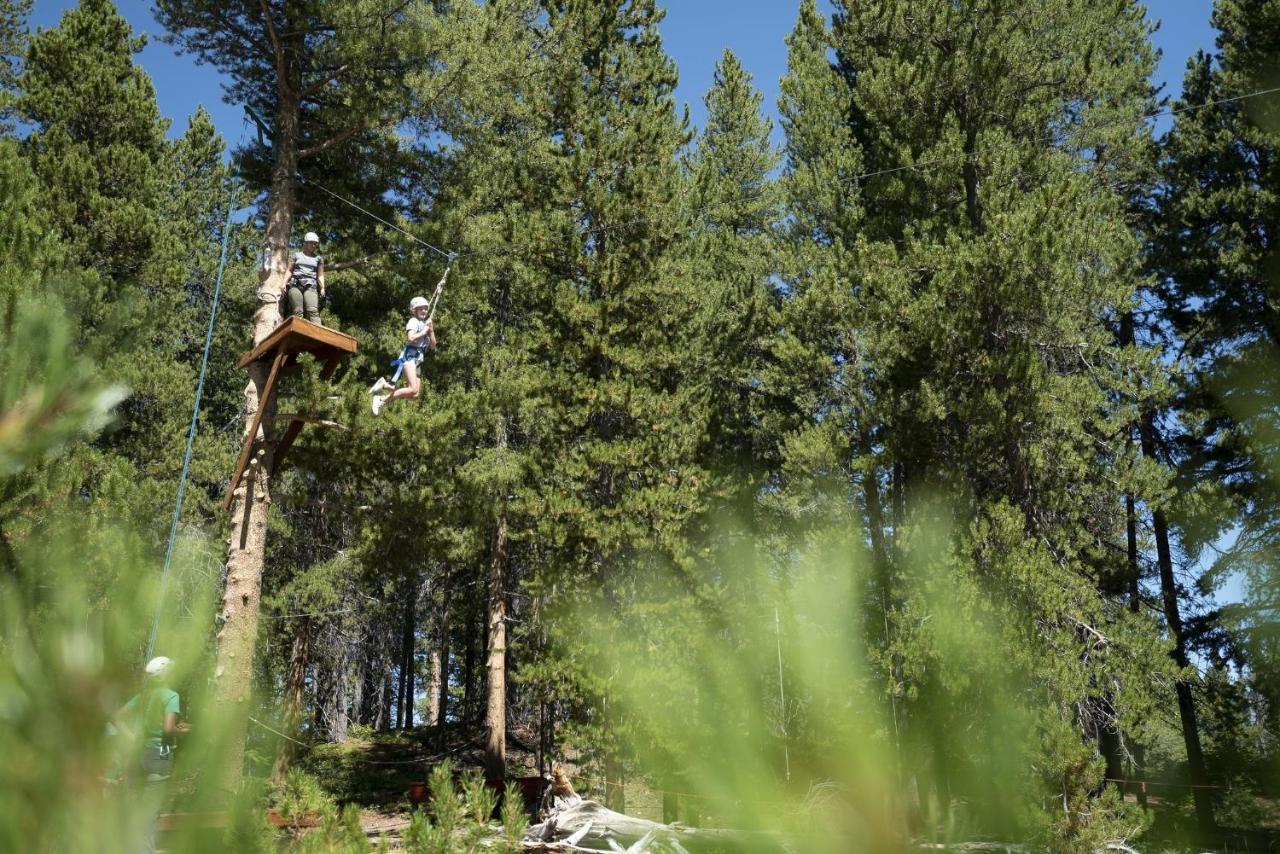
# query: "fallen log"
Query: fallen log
581,825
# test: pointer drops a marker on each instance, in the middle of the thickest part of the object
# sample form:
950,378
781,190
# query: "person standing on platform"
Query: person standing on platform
306,280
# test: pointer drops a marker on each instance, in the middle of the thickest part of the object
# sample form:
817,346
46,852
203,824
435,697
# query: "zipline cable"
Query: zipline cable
195,418
448,256
912,167
1158,114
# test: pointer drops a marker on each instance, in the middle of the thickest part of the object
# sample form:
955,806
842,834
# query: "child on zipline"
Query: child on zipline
306,279
420,336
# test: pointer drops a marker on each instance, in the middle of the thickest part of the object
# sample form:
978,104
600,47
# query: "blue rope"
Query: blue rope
195,417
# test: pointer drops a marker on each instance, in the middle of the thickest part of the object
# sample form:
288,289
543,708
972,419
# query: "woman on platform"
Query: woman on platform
306,280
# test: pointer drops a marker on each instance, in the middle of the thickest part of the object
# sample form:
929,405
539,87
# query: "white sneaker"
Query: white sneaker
379,401
380,385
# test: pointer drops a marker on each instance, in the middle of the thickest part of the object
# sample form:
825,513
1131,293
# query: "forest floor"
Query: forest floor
374,770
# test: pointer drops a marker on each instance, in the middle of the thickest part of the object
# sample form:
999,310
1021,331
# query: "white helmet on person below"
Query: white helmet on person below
311,237
417,303
158,666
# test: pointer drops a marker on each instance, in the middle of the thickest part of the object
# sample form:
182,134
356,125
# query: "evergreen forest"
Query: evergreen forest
900,475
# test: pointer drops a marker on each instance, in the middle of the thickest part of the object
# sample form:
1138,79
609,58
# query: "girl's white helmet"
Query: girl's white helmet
158,666
417,303
311,237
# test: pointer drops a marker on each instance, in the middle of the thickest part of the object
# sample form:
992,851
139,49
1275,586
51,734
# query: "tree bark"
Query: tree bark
384,708
410,662
433,687
358,685
615,792
1138,751
469,671
402,683
337,703
442,701
495,752
237,639
294,687
1173,618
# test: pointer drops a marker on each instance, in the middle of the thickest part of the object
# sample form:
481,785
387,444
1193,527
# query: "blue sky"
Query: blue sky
696,34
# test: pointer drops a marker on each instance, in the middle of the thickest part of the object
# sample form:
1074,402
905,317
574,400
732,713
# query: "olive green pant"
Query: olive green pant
304,303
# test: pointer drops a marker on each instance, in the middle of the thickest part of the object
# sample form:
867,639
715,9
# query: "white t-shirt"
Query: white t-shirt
417,330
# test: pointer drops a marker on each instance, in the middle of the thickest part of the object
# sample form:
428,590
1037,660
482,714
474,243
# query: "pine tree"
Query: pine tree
13,47
97,138
737,207
821,354
957,272
618,472
331,79
1214,259
1216,216
117,205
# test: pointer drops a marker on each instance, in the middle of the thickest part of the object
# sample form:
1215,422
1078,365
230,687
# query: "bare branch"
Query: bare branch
281,75
332,142
324,81
355,262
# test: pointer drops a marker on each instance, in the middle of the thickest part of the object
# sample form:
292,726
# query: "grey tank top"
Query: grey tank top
305,268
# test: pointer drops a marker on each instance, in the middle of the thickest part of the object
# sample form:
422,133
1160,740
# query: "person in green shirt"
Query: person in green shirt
151,718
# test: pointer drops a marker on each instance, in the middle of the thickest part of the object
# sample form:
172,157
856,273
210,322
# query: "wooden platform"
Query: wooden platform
296,335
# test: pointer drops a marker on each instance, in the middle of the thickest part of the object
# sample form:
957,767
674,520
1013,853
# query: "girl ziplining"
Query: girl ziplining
420,338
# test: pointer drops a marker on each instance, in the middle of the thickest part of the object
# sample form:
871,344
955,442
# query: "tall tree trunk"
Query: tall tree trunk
1173,618
469,672
384,705
294,686
495,750
337,703
1138,751
237,639
358,685
433,686
615,792
442,701
406,647
410,662
1110,746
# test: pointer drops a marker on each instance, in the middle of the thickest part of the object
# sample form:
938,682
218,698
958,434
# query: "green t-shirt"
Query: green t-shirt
147,711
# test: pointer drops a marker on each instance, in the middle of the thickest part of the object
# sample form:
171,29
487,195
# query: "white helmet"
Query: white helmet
311,237
158,666
417,303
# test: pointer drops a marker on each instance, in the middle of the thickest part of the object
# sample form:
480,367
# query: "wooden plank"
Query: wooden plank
292,431
298,335
263,401
286,441
330,365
